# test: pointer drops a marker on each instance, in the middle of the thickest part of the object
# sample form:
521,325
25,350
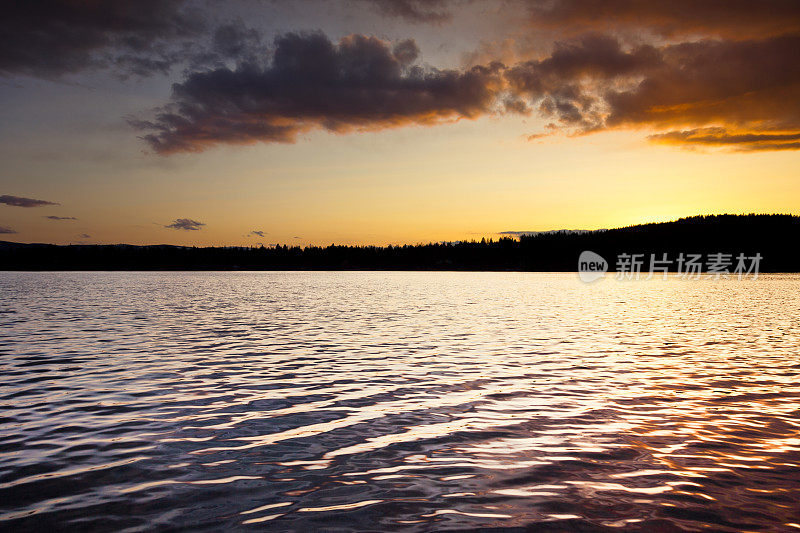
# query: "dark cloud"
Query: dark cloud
54,37
235,40
748,87
565,84
19,201
737,19
84,236
406,52
591,83
6,231
427,11
229,42
258,233
53,217
735,82
696,73
185,224
361,83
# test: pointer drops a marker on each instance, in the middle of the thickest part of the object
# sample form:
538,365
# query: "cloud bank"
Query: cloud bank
743,94
426,11
712,74
19,201
591,83
735,19
53,37
360,83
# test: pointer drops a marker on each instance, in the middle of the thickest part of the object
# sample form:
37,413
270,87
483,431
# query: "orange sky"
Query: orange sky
354,176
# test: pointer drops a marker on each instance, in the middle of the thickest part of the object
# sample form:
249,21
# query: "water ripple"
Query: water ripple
398,401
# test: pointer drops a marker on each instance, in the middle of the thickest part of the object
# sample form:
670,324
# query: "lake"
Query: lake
398,401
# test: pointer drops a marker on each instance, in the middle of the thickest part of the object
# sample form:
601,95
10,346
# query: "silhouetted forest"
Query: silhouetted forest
775,237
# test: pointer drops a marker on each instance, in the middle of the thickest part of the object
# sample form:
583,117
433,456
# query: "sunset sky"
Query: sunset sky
380,121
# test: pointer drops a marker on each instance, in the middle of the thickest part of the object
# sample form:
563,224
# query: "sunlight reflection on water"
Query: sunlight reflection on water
398,401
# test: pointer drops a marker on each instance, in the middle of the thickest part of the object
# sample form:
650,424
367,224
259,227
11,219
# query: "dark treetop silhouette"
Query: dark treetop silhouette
775,237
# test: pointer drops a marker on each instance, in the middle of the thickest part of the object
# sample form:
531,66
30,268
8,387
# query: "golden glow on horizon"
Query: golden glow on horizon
463,181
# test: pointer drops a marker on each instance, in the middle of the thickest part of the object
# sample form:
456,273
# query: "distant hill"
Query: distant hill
774,237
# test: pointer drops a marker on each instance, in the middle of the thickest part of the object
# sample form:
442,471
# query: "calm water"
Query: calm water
398,401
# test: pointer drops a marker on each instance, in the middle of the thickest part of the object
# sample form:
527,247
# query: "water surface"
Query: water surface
398,402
